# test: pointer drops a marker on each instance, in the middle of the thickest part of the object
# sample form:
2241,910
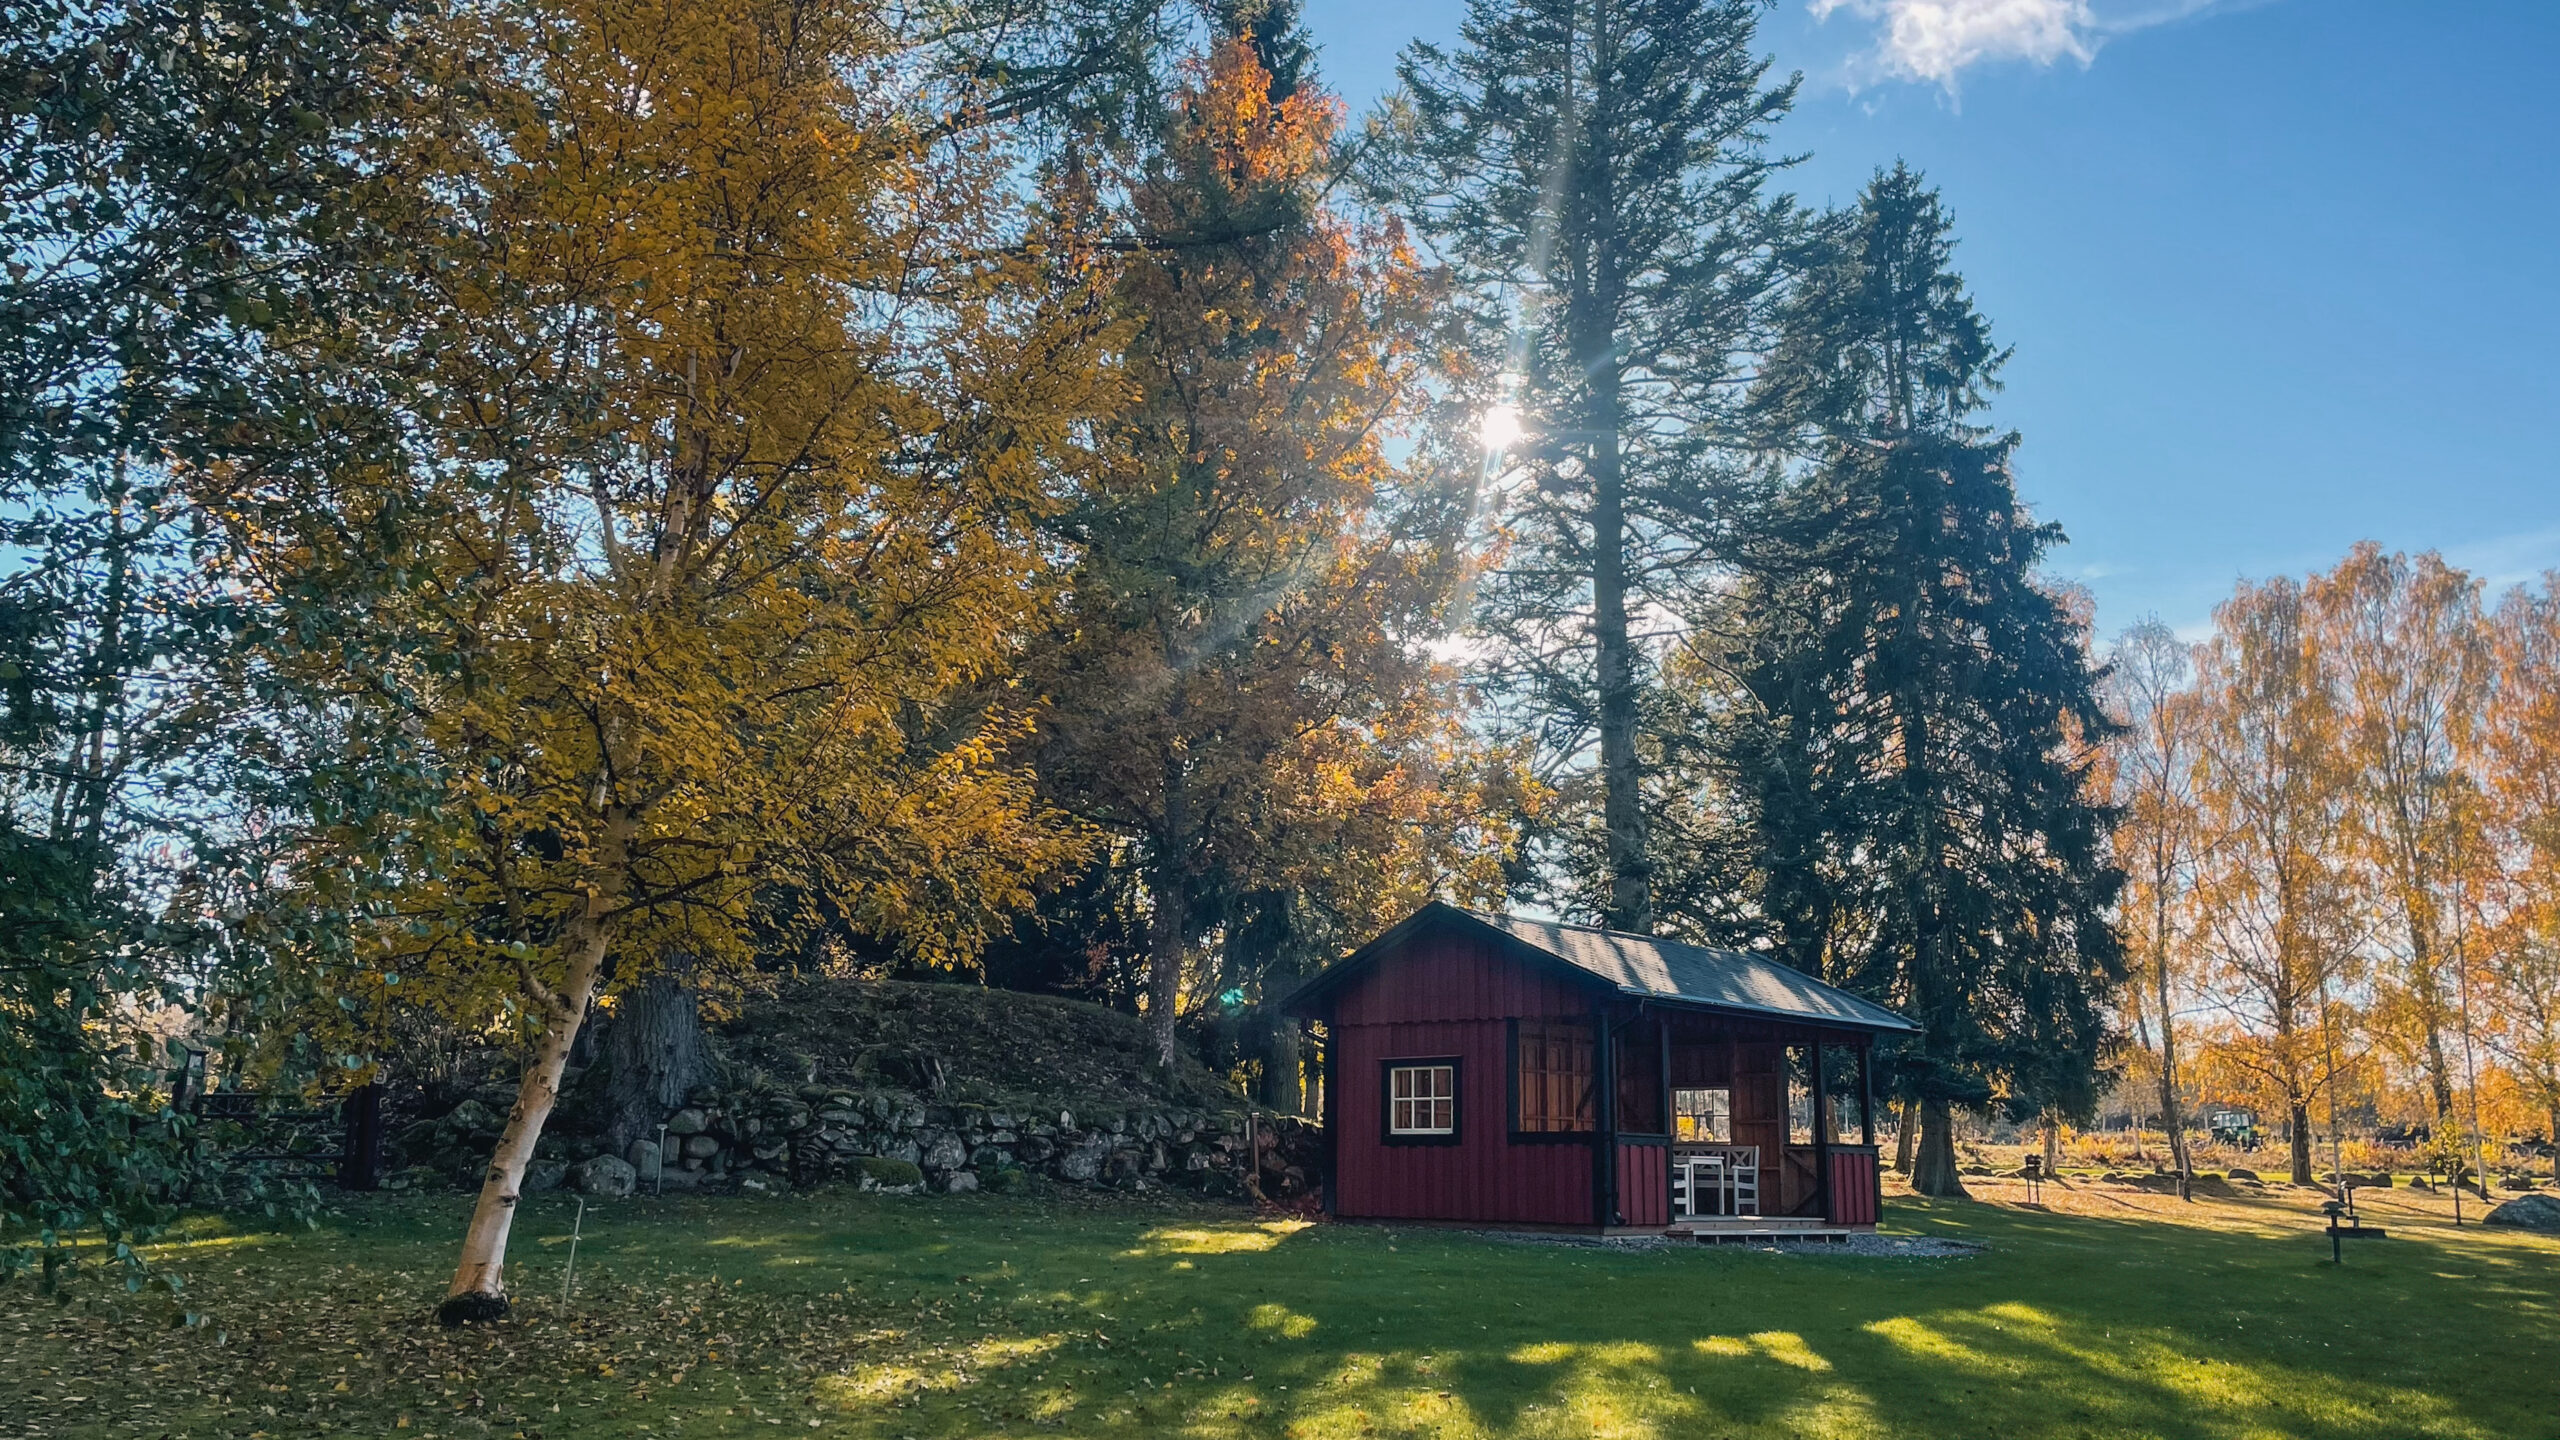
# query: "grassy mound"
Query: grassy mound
962,1044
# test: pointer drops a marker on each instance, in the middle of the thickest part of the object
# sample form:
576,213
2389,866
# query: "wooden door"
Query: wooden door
1799,1185
1760,1115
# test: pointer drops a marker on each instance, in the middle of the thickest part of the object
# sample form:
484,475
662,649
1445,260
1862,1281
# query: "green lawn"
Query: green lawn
980,1316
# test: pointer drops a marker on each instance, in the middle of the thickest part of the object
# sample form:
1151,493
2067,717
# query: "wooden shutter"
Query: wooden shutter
1556,1078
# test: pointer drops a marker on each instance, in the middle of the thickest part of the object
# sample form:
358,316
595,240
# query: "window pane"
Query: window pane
1422,1099
1799,1065
1848,1102
1705,1116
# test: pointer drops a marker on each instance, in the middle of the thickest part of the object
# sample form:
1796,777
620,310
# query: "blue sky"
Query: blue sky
2281,276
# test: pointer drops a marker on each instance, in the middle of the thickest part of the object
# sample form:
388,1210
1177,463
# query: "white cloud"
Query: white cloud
1936,40
2503,560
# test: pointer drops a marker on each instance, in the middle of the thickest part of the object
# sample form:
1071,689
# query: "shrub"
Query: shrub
890,1174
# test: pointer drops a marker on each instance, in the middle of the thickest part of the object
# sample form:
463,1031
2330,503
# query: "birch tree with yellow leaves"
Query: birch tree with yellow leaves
2522,745
2156,843
728,389
2276,905
2411,654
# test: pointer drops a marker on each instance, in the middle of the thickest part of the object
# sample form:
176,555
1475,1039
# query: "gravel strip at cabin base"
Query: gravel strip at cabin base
1899,1247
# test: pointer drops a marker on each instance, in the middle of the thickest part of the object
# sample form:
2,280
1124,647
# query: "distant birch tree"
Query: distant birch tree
2275,894
2149,672
2411,653
2522,778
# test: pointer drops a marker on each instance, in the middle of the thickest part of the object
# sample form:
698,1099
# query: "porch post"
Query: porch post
1606,1151
1821,1130
1866,1094
1670,1122
1867,1119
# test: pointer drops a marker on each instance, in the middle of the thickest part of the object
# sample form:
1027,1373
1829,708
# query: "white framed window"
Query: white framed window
1422,1098
1702,1115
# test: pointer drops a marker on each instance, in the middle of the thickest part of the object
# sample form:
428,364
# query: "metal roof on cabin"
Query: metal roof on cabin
1727,979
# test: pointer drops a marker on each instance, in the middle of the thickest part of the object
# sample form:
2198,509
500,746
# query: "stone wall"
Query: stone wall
892,1140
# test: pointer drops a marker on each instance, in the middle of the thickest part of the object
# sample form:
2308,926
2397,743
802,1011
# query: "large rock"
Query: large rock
2529,1212
945,1153
688,1121
544,1175
700,1147
474,1119
1082,1163
608,1175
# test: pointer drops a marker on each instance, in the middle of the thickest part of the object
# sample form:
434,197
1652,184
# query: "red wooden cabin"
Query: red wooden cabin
1492,1070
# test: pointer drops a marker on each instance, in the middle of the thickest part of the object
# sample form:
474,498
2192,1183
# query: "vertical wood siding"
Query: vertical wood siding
1445,996
1644,1184
1853,1186
1441,977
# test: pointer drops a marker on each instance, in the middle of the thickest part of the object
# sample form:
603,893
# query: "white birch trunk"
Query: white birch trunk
479,1289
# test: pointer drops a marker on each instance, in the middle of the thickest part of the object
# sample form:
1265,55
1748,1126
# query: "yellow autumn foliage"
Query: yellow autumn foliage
730,385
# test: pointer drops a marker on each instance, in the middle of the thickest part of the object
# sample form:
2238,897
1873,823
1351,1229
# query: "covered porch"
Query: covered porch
1727,1125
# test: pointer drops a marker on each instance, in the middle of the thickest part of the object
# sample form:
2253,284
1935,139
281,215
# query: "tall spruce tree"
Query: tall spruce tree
1907,714
1594,169
1239,686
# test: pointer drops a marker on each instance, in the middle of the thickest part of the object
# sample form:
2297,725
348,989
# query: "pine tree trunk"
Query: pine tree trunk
1169,920
1165,933
1621,777
1594,341
1935,1173
479,1289
2052,1128
652,1053
1283,1082
1906,1137
2301,1132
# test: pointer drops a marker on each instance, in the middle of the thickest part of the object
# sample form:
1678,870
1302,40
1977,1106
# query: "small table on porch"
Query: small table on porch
1712,1180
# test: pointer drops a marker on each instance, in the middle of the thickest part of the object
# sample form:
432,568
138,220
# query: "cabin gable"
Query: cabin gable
1444,996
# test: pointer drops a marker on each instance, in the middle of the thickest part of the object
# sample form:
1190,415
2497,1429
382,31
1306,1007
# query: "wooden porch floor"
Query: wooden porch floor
1761,1229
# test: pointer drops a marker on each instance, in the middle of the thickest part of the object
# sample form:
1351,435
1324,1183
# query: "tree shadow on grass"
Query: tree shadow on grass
984,1317
2070,1326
